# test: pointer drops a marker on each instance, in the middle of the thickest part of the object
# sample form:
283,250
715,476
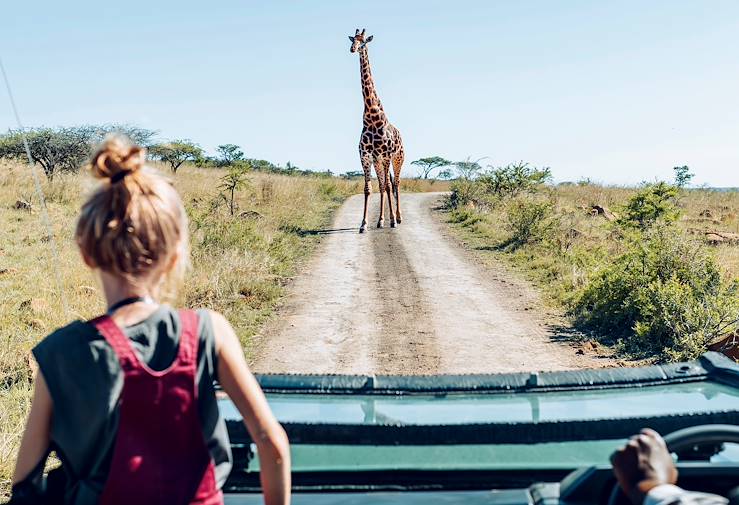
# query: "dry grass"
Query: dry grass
240,264
424,185
702,210
583,242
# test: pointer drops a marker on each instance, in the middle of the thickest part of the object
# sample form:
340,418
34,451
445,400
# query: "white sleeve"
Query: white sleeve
668,494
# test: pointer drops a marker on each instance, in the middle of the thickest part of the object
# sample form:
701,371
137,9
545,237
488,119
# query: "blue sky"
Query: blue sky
617,91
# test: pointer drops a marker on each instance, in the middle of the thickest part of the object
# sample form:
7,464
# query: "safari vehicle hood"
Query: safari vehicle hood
484,432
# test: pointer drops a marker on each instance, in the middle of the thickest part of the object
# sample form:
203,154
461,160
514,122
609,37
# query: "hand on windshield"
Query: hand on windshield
642,464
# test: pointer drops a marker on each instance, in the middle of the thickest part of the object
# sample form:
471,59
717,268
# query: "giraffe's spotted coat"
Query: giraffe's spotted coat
380,144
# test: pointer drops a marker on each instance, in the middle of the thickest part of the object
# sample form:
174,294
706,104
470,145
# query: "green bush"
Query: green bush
654,202
662,297
465,217
513,179
529,221
463,192
489,187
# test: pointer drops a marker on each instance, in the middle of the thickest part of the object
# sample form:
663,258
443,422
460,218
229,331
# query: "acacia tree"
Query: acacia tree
176,152
138,135
468,169
428,165
55,149
234,180
229,154
682,176
445,175
64,148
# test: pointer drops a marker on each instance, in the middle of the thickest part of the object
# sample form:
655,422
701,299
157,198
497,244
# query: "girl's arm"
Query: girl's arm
241,386
35,441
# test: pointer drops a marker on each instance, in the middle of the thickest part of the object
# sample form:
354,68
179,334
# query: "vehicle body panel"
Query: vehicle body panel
395,439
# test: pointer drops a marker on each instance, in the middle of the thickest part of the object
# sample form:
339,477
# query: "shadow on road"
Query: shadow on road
328,231
578,339
560,333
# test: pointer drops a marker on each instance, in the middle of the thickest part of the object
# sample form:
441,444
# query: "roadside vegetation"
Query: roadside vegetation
252,223
652,271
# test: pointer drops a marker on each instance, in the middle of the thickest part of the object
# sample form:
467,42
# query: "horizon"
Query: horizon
631,89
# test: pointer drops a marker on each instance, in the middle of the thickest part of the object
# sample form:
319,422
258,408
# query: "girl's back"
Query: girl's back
85,380
127,399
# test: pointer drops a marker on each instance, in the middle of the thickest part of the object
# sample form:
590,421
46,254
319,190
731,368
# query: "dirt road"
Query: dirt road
407,301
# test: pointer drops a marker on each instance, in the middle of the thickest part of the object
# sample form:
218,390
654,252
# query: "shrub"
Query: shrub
654,202
513,179
680,322
529,221
465,217
231,182
463,192
489,187
662,297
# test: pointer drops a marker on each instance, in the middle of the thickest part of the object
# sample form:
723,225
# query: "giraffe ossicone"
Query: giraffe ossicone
380,144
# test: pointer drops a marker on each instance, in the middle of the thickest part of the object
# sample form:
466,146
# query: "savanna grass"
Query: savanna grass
240,264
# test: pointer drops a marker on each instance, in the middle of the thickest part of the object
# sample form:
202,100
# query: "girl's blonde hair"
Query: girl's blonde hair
134,222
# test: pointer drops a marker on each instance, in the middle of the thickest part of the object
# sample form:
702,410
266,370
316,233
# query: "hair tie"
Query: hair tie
119,176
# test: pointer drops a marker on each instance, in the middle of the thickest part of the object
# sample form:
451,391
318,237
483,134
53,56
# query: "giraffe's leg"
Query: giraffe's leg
381,173
389,191
397,165
367,167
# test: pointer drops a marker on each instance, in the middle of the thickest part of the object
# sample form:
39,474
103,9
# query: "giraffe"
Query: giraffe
380,142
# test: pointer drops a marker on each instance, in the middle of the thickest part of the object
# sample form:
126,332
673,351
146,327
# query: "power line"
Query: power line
40,194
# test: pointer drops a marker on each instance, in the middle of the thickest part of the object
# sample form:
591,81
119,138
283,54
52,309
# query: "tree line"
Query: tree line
66,149
444,168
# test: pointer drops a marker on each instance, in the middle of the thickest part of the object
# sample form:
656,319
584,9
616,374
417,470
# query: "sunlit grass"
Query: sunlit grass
241,264
583,243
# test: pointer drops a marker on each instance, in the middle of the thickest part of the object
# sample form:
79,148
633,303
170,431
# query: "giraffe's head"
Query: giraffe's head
359,41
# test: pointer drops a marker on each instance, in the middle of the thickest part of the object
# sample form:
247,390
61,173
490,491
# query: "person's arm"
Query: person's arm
35,441
670,494
646,472
241,386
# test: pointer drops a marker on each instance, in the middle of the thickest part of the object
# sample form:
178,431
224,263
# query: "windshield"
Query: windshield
431,190
519,407
346,433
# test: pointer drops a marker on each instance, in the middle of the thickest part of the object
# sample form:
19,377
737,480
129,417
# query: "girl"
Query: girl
127,399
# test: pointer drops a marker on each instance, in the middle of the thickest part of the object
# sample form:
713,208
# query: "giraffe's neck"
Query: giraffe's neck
371,100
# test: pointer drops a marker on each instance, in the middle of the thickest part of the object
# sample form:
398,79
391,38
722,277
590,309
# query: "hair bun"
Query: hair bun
116,157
